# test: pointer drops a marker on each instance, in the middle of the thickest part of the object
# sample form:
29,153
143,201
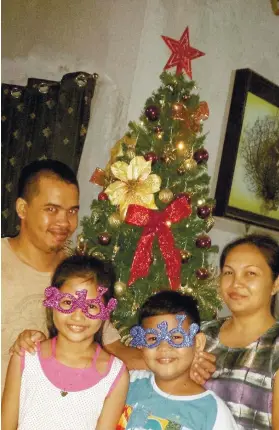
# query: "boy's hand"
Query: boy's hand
202,367
27,341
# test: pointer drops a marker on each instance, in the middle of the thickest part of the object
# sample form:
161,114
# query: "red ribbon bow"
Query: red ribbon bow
157,223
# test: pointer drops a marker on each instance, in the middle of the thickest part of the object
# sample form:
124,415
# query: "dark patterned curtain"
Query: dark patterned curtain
45,119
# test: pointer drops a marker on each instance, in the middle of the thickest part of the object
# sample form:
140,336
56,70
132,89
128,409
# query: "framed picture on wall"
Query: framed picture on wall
248,181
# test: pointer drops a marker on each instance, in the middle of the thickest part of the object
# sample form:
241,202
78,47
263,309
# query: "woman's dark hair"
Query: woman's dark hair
88,268
170,302
266,245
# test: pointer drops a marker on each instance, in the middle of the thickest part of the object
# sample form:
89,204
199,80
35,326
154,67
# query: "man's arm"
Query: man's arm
132,357
27,341
202,367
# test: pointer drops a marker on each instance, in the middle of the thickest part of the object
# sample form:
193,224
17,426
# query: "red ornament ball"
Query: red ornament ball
151,156
104,238
203,241
201,155
152,113
202,273
102,196
186,195
203,211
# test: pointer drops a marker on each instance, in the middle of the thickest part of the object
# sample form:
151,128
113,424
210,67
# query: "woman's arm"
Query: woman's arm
114,404
203,366
10,399
275,403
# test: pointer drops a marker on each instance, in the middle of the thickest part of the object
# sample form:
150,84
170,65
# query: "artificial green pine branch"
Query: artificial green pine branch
168,134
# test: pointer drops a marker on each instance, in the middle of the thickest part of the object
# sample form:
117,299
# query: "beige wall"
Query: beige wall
120,40
104,34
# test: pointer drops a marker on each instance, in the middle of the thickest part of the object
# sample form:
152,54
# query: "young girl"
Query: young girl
166,397
70,383
246,345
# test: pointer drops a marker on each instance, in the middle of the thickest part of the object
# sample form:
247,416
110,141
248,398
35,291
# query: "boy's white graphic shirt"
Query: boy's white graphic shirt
149,408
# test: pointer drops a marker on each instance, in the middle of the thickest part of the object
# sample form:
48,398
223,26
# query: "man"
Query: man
47,205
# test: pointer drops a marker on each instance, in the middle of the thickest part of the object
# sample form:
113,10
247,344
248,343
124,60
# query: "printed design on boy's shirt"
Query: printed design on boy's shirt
122,425
150,423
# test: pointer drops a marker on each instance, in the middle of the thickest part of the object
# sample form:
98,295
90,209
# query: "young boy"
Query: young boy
166,398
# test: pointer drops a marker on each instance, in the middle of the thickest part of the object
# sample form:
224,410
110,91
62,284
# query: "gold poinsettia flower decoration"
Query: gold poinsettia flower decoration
135,185
117,150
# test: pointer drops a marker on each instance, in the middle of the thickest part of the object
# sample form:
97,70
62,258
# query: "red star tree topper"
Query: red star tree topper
182,53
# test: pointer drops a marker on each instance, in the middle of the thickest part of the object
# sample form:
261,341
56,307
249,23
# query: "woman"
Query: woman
246,345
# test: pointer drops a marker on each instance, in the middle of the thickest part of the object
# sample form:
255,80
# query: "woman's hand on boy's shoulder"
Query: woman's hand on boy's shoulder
27,340
203,366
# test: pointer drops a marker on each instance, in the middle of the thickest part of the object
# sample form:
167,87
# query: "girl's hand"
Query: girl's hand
27,341
203,367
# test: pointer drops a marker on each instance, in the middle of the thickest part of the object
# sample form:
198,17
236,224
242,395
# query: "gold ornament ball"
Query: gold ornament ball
209,223
115,220
81,245
165,195
119,288
98,255
187,165
185,256
190,164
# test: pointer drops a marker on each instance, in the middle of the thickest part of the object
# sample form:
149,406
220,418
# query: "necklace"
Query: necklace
78,374
72,374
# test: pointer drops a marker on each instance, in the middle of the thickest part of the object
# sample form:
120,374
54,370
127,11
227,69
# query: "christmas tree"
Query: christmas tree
153,213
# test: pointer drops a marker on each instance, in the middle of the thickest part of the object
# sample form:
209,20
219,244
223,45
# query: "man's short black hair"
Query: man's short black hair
170,302
30,175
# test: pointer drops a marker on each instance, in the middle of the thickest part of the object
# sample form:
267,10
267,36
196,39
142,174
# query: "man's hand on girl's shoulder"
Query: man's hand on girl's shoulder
27,340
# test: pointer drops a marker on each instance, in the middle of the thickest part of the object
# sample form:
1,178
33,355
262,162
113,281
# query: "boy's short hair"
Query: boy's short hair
170,302
31,174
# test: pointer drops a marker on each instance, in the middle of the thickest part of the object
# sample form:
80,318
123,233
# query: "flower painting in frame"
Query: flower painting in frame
248,181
